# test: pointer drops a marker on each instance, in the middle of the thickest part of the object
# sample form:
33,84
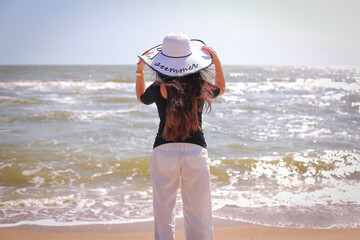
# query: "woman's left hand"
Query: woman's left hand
141,66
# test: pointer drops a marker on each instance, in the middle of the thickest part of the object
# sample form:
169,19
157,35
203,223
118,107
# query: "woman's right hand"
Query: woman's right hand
219,75
212,52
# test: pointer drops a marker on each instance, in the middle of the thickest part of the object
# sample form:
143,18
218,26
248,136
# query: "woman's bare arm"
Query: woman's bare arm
140,80
219,75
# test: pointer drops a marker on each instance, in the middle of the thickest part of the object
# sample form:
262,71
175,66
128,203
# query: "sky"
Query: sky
253,32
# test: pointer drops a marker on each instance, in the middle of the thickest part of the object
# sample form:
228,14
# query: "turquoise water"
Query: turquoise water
283,142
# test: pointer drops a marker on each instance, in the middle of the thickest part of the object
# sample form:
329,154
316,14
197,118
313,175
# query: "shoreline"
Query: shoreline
223,230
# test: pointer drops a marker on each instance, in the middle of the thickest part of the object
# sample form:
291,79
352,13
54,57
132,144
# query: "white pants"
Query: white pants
190,163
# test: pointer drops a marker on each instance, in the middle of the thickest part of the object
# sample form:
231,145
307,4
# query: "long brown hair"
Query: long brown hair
186,96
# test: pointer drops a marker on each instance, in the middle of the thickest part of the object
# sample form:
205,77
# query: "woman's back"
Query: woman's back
181,111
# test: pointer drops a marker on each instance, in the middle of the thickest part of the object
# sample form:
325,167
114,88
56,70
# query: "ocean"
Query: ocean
284,143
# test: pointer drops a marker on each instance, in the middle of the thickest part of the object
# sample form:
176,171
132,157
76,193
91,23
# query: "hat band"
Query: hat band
175,57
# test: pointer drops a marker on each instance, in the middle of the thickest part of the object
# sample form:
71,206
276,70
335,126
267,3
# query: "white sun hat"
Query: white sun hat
177,56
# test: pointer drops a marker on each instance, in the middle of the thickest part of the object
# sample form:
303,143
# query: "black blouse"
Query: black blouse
153,94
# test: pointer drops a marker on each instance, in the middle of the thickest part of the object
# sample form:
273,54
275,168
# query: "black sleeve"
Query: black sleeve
149,96
215,91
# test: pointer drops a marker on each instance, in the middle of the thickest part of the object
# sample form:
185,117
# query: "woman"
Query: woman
180,93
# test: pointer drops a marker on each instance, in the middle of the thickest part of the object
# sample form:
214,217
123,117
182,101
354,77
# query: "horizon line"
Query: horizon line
229,65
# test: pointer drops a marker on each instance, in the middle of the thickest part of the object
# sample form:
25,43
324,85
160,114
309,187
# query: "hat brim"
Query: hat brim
178,66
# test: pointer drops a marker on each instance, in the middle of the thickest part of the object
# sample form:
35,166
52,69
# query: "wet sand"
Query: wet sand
223,230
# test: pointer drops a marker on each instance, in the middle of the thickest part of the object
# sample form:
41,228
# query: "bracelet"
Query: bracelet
138,74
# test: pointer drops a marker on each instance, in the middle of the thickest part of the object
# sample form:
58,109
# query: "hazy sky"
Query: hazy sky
253,32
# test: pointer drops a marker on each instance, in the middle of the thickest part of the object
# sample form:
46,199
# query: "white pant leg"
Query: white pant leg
165,171
196,193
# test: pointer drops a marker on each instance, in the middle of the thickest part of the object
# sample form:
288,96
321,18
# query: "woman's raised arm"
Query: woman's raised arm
219,75
140,80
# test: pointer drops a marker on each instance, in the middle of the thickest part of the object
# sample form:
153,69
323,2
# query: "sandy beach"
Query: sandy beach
224,230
